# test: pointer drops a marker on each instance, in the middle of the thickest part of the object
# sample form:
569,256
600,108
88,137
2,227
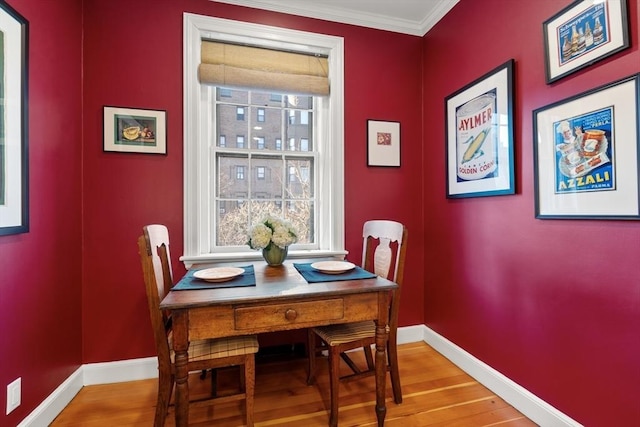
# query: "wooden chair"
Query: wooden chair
383,253
153,246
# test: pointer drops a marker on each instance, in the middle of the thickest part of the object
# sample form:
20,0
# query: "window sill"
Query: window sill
229,258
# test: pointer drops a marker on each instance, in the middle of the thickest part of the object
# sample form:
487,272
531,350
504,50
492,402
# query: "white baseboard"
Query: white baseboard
531,406
49,409
120,371
534,408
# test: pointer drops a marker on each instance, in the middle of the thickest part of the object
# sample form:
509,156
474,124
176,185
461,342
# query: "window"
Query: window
304,176
240,172
222,141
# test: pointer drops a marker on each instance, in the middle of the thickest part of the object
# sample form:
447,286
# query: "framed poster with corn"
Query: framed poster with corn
479,136
130,130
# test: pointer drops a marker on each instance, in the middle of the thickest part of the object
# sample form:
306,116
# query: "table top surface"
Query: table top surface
281,283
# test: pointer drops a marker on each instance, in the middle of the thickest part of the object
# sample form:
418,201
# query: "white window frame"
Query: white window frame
197,132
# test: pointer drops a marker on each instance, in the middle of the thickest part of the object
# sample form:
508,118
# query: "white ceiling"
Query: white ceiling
414,17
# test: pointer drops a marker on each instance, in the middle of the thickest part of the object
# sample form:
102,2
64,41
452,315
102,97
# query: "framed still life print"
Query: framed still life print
584,32
586,154
129,130
14,153
479,136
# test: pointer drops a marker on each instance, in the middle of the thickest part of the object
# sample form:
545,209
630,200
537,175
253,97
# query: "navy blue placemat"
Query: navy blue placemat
311,275
188,282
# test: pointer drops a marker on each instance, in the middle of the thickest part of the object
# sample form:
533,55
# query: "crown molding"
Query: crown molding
348,16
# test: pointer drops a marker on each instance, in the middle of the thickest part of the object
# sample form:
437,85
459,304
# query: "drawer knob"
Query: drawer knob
290,314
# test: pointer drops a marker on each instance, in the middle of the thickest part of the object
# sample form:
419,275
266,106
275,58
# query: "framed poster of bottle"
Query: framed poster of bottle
583,33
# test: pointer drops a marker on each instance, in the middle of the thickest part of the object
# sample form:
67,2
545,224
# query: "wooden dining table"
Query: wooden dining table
280,300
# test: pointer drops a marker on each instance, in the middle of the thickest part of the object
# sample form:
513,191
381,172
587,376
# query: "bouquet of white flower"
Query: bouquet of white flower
272,230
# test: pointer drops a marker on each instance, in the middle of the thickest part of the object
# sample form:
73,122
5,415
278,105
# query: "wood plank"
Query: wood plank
436,394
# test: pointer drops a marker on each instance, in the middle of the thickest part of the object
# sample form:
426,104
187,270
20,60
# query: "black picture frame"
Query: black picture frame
582,34
383,143
479,136
14,127
587,154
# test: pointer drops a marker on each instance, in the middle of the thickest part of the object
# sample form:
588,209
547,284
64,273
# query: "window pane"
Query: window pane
300,214
232,95
299,181
226,123
232,221
271,186
298,131
269,129
229,186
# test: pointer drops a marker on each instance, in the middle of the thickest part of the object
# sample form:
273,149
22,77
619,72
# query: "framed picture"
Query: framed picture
14,151
479,136
383,143
128,130
586,154
584,32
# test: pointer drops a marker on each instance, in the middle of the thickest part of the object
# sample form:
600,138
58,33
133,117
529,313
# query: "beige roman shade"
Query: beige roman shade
247,67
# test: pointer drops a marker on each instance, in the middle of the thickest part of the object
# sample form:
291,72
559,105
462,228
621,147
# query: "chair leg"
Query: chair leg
369,357
392,351
334,384
311,354
214,383
249,386
165,388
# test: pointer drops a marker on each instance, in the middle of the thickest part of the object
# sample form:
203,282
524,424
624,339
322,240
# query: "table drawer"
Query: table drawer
277,315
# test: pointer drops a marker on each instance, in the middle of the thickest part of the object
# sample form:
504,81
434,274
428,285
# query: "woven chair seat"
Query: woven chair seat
347,332
219,348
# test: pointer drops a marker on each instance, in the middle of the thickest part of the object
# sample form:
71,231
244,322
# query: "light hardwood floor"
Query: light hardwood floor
436,393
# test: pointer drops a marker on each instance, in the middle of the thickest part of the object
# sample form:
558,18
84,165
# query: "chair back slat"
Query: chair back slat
153,247
383,253
382,248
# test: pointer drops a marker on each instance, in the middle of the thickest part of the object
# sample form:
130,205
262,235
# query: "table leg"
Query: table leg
381,357
181,346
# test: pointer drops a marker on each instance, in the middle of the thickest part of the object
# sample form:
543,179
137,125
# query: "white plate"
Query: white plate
333,267
218,274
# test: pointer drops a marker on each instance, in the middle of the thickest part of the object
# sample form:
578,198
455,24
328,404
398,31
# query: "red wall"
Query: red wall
40,271
552,304
141,66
